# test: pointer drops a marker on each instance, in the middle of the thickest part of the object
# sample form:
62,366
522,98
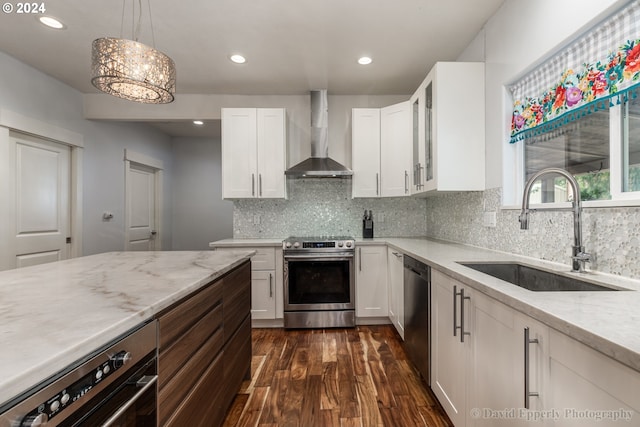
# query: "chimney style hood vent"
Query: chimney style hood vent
319,165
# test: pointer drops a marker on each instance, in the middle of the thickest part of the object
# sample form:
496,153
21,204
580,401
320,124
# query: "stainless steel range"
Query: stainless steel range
319,282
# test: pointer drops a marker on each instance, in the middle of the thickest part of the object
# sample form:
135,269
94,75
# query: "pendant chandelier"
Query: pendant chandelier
132,70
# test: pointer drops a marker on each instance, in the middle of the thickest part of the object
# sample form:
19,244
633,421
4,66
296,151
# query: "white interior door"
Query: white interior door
141,208
39,199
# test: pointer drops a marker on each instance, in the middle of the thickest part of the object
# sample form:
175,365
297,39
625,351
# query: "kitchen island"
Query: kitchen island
52,315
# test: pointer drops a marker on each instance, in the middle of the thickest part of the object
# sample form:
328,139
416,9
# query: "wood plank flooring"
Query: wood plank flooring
333,377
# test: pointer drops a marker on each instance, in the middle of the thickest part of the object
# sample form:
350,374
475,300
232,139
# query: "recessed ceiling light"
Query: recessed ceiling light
198,122
238,59
365,60
51,22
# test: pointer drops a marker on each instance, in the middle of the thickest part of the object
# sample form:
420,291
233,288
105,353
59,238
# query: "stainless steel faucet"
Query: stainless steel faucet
579,256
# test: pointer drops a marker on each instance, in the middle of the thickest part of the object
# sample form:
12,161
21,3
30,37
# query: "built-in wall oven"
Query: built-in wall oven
114,386
319,282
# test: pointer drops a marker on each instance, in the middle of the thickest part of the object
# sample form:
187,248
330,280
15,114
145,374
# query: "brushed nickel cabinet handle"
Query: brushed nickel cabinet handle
528,394
455,310
253,185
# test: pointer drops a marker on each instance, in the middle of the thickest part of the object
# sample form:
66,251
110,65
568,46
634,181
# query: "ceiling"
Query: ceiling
291,46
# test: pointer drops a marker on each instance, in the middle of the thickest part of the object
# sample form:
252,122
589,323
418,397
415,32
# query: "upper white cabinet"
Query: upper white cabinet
365,147
381,151
448,127
253,153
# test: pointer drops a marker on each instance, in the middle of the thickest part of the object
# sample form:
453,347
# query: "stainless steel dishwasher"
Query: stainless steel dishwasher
417,313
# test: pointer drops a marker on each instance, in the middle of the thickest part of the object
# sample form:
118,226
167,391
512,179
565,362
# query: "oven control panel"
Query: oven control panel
318,244
61,400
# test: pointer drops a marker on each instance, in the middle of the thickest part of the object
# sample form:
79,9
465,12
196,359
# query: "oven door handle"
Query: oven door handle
321,256
145,382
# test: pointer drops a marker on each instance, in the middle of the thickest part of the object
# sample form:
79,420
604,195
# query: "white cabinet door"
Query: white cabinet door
499,362
584,384
266,283
395,266
372,296
450,355
365,146
253,152
239,152
449,142
395,150
271,134
263,305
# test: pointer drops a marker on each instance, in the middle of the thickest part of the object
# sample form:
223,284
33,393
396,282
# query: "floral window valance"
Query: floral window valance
600,69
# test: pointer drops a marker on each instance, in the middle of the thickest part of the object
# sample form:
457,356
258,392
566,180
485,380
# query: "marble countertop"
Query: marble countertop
606,321
52,315
250,243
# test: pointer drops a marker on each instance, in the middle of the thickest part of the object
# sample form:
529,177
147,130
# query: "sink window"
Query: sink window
601,150
580,111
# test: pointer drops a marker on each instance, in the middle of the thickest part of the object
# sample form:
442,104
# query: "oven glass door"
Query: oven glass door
319,283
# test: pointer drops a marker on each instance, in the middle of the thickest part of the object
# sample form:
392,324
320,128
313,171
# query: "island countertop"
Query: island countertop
52,315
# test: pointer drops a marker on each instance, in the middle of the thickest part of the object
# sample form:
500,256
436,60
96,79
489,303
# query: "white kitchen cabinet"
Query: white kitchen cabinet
253,153
448,126
365,159
381,151
263,295
451,347
395,266
584,383
486,372
499,364
395,150
372,295
267,292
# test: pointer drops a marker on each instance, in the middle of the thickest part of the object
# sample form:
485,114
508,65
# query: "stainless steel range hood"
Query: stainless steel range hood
319,165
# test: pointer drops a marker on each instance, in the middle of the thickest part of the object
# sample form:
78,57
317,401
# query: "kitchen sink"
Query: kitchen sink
534,279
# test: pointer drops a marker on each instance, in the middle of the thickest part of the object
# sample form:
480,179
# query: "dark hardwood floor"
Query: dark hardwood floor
333,377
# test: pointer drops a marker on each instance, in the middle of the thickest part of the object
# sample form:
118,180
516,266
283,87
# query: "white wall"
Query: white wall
200,215
29,92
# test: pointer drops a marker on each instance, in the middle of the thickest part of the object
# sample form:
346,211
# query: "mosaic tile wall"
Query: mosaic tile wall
611,235
322,207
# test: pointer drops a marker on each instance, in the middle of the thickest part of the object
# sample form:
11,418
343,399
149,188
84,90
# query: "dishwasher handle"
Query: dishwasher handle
417,267
423,274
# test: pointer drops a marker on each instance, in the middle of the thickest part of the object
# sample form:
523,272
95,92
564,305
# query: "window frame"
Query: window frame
619,198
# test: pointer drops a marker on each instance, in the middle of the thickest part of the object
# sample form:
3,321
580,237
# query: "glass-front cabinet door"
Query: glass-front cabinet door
423,136
449,129
428,133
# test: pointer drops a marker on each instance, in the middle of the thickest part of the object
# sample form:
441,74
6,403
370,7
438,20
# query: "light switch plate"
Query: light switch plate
489,219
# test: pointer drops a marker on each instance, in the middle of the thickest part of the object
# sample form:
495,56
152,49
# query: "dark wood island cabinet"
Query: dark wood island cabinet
204,347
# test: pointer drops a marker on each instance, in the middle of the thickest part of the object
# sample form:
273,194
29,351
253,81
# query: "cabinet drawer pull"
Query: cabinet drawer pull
528,394
406,182
377,184
455,310
270,285
260,184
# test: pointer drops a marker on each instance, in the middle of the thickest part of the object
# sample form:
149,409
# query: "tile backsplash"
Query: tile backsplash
610,235
324,207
